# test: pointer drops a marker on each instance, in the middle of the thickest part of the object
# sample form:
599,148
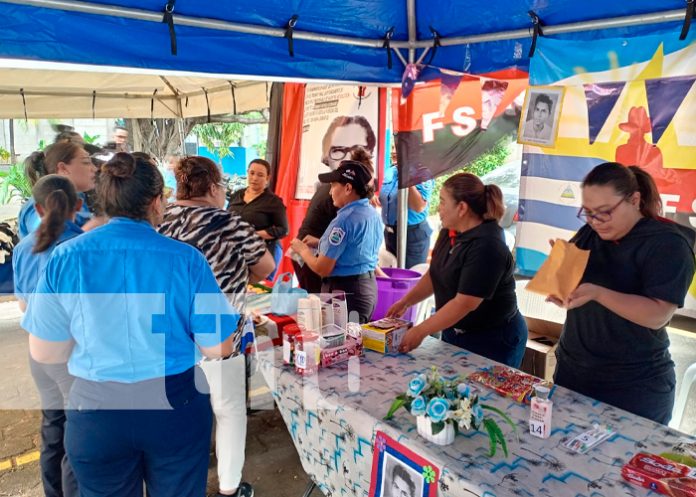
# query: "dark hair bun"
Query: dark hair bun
121,165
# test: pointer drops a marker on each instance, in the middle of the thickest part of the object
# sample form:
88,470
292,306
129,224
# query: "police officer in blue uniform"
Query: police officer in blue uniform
349,248
57,202
67,159
140,308
419,231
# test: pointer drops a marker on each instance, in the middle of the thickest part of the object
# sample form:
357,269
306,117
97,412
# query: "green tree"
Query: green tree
219,137
14,183
484,163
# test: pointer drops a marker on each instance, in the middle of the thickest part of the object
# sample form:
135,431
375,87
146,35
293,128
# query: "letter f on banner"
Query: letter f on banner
429,125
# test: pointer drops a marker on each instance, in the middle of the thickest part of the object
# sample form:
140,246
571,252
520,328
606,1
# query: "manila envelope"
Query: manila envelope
561,272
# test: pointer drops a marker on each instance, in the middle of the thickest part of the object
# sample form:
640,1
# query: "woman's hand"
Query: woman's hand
582,295
411,340
311,241
397,309
264,234
299,247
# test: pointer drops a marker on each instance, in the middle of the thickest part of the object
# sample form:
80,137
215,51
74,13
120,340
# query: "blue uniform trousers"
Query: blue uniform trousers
53,383
115,445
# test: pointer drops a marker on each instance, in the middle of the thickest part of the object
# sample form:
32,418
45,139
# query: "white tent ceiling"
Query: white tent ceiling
78,91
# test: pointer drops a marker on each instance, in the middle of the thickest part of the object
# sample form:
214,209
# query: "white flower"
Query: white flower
462,414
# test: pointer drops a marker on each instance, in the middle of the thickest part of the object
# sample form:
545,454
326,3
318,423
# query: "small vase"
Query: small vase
425,430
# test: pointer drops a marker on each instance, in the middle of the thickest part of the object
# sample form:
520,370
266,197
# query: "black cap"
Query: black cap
352,172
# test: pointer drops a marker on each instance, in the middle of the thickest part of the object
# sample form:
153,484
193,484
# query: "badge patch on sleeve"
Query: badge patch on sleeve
336,236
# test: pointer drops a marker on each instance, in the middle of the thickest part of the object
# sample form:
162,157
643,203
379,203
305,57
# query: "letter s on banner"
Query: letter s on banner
462,117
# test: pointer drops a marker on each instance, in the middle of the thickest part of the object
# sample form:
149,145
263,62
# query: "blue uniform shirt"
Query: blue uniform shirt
135,302
353,239
27,266
389,194
29,219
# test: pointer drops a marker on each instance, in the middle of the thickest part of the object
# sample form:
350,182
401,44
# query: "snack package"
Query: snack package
351,347
508,382
660,475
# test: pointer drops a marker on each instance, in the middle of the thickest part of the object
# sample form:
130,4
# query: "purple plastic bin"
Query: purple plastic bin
391,289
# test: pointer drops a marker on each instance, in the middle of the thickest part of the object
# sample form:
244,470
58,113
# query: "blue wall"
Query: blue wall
235,164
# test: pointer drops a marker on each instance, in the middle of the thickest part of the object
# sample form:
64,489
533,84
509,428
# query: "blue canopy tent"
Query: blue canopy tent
365,41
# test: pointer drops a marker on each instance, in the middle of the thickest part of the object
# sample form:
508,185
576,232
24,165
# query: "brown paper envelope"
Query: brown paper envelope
561,272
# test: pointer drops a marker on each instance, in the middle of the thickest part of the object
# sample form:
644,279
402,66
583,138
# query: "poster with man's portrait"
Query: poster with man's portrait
399,472
540,115
337,119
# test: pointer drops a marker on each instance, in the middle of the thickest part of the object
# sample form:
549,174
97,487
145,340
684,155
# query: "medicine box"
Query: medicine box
384,335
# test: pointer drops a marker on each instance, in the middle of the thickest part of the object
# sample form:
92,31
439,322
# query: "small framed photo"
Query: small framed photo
541,114
399,472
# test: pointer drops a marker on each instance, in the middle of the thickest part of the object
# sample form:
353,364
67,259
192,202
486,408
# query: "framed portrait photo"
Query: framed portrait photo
399,472
541,114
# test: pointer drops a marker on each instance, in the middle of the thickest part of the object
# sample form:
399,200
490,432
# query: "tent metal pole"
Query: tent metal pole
402,197
199,22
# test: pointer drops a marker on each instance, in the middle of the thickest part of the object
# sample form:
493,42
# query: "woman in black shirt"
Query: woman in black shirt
471,275
614,345
260,207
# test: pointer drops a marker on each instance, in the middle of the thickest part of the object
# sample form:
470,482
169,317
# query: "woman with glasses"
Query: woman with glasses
236,255
614,346
471,276
260,207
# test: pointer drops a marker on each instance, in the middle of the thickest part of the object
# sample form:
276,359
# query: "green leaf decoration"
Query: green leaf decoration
489,424
428,474
398,402
505,417
437,427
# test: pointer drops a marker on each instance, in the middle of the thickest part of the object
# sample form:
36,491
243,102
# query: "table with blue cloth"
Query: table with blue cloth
333,417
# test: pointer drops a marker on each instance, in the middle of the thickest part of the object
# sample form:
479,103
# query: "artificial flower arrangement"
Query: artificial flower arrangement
443,408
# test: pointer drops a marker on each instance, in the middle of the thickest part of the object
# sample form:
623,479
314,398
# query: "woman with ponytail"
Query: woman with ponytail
614,345
65,158
471,275
56,202
141,309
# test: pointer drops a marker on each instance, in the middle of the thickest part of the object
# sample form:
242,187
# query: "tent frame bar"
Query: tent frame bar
412,44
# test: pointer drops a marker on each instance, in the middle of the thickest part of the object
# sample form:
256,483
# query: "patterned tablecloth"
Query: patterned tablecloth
333,417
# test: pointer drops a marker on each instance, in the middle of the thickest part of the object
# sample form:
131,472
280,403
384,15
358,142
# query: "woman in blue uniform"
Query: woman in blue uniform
56,201
66,158
418,231
349,248
471,275
614,346
140,308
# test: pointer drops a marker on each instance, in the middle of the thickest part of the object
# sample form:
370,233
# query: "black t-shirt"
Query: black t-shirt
265,212
477,263
655,259
320,213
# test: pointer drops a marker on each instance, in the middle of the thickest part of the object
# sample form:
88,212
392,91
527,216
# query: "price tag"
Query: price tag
537,428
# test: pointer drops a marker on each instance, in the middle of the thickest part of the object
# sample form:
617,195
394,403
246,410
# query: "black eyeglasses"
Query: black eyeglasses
339,153
599,216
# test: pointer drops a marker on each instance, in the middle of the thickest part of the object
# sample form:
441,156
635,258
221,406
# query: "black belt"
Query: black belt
353,277
391,228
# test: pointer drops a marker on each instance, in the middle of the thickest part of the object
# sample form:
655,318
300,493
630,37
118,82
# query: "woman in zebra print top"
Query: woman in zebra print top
236,255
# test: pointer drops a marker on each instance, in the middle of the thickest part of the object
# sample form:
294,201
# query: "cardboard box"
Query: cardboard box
545,323
384,335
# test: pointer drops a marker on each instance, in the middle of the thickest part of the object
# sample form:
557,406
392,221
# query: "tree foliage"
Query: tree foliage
483,164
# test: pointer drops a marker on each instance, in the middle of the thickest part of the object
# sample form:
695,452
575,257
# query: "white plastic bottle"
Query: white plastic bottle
540,414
